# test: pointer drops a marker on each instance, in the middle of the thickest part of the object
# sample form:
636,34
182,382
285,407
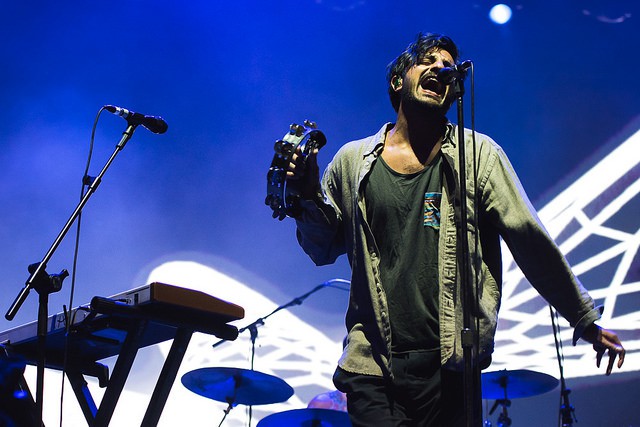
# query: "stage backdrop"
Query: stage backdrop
554,87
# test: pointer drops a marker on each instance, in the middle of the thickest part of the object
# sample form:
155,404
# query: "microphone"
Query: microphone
155,124
447,75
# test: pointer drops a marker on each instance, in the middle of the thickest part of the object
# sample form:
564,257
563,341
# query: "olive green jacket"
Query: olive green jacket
335,223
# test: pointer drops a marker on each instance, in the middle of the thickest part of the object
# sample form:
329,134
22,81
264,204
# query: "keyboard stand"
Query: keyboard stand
129,328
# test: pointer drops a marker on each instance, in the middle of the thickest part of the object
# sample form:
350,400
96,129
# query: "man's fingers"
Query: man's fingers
614,345
599,352
296,167
618,351
611,344
612,359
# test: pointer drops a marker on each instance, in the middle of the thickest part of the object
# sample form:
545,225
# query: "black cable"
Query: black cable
566,413
70,315
559,356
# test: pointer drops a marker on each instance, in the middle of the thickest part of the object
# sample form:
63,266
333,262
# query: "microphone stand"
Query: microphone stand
44,284
471,378
567,411
296,301
253,327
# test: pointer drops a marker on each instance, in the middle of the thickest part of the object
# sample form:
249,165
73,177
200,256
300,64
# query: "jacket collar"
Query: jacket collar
376,142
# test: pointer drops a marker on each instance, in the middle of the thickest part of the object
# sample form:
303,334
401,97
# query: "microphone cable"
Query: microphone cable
566,413
70,313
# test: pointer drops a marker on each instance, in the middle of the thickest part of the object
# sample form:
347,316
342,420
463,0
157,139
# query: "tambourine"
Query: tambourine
283,196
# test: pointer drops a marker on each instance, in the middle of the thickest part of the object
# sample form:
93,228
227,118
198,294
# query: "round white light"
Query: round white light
500,14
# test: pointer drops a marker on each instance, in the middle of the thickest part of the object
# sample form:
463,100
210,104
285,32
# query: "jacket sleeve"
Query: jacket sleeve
319,226
535,252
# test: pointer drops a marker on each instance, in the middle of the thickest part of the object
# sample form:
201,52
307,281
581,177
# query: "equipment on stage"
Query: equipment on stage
237,386
309,417
516,384
121,325
155,124
282,195
217,383
44,283
505,385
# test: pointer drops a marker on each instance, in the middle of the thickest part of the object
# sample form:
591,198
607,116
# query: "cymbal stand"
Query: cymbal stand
230,400
503,418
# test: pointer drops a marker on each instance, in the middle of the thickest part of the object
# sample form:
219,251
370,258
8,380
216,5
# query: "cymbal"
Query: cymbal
516,384
309,417
237,386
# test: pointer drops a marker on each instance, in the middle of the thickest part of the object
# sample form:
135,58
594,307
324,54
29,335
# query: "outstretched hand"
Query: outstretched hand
605,340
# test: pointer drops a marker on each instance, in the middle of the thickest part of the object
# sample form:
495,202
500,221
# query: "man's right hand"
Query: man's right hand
304,174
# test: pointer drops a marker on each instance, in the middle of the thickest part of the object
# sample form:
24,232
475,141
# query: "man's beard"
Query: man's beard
413,105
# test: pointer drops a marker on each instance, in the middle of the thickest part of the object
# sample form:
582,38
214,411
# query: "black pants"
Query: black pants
421,394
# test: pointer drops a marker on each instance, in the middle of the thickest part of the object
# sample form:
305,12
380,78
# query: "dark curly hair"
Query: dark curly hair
412,54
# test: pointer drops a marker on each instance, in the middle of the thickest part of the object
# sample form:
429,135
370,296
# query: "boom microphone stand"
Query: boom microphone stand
45,284
253,327
455,76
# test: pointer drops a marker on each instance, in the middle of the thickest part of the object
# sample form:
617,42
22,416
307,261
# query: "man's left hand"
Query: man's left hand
605,340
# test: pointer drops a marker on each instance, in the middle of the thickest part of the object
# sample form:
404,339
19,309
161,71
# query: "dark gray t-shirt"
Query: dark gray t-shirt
404,215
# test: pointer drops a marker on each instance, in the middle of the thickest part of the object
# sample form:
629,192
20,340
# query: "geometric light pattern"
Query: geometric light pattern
596,223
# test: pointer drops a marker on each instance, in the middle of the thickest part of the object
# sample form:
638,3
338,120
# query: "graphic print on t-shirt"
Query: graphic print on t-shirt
432,209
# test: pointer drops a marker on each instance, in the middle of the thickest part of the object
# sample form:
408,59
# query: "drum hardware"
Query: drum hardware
236,386
309,417
505,385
